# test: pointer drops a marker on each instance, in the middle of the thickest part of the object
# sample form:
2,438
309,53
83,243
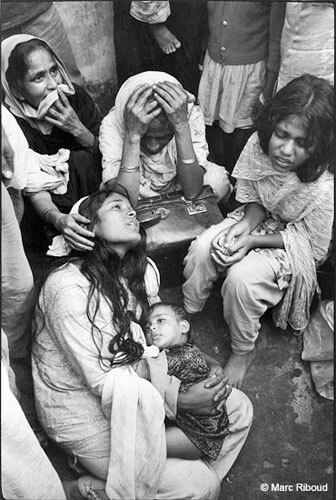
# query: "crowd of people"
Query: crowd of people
235,95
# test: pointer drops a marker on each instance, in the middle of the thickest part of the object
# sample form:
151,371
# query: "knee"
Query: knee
192,479
205,484
216,176
200,248
240,277
240,410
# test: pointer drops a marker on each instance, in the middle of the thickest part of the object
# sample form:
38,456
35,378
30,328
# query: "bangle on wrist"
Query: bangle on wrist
130,169
262,99
188,161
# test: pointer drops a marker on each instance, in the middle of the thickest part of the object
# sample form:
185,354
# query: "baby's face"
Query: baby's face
163,328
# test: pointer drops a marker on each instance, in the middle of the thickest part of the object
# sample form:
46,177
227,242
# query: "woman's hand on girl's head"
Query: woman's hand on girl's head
140,111
62,115
174,102
75,235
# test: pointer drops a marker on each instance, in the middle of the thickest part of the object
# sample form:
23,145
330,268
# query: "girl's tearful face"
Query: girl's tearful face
287,149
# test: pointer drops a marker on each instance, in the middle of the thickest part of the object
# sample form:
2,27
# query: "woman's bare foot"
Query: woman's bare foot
237,367
165,39
88,487
71,490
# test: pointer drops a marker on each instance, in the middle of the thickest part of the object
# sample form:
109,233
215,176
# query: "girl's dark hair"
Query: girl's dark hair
311,99
17,65
112,277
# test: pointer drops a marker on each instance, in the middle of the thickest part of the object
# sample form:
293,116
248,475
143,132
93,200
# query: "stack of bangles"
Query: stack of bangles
130,169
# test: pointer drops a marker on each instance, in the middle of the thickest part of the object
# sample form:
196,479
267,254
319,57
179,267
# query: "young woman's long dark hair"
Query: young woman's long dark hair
311,99
111,277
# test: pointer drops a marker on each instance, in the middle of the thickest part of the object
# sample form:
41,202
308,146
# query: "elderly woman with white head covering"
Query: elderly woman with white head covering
54,114
153,140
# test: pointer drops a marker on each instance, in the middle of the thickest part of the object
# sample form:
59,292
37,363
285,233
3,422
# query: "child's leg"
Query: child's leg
249,289
165,39
179,446
200,271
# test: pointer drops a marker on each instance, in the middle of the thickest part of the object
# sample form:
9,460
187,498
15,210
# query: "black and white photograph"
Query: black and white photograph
167,250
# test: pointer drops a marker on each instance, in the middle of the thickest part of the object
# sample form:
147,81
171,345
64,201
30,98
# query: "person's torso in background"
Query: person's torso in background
238,31
14,14
307,41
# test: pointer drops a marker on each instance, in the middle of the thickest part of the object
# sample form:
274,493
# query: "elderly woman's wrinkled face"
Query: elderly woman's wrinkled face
117,223
158,134
41,78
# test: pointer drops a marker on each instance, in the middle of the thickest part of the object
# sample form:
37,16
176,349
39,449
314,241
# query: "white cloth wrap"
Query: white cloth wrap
34,172
137,456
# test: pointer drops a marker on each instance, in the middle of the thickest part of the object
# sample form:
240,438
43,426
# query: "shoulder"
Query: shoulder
195,116
81,97
81,92
325,186
65,283
110,118
110,129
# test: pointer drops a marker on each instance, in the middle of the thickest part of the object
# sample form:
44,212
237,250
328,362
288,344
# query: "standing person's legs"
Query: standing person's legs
16,307
225,148
249,289
16,281
240,138
200,271
50,27
18,203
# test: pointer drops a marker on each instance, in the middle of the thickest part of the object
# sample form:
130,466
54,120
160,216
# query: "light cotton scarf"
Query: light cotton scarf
21,109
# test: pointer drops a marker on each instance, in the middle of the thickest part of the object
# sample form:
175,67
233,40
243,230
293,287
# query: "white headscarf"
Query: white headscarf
158,171
128,87
22,109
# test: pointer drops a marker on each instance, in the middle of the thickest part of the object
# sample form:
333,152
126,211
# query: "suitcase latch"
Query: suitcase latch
194,207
